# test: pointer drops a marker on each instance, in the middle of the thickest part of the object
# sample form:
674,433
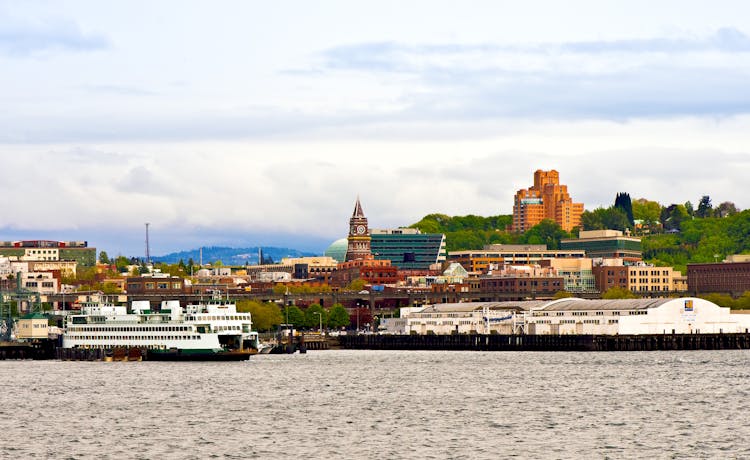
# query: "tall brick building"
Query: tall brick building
359,235
546,199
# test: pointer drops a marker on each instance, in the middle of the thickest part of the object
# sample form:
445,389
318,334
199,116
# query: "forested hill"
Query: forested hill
700,240
473,232
693,239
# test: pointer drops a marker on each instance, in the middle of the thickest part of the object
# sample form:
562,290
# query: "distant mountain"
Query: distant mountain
231,256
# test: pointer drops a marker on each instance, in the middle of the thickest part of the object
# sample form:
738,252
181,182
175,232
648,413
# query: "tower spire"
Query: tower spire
358,209
359,235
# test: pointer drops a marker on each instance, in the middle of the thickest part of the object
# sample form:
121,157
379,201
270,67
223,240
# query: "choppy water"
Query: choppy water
383,404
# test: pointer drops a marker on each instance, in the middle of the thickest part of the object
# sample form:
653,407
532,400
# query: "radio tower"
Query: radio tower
148,252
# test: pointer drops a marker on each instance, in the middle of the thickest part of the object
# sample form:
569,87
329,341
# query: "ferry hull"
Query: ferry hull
197,355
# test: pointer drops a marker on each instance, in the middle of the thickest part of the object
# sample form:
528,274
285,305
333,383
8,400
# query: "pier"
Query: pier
497,342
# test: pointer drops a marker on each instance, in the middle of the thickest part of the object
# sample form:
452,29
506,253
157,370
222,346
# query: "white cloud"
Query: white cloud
262,126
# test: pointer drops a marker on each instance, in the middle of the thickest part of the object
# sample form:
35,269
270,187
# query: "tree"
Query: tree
562,295
646,211
622,202
338,317
618,293
704,207
726,209
591,221
104,258
356,285
314,314
122,262
672,216
265,316
110,288
605,218
689,208
615,219
293,315
547,232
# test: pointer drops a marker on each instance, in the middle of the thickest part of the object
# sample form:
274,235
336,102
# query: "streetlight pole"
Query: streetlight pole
320,317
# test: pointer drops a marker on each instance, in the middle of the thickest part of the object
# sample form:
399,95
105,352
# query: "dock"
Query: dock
498,342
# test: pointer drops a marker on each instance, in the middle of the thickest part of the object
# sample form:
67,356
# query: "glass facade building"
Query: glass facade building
408,250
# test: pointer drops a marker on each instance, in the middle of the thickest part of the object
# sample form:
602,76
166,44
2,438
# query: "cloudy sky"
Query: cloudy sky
255,122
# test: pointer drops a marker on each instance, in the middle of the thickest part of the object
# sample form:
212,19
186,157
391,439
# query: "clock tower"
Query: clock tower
359,235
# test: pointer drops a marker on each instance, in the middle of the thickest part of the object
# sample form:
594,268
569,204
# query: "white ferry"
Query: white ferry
207,331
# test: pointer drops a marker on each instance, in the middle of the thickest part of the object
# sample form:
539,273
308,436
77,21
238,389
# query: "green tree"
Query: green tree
122,262
338,317
646,211
618,293
704,207
294,316
314,314
623,203
673,216
104,258
605,218
689,208
547,232
356,285
265,316
615,219
722,300
562,295
591,221
110,288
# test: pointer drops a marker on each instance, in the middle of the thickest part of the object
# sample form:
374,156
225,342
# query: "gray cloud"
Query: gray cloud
21,38
606,79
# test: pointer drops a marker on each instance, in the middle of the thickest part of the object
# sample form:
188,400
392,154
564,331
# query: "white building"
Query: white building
634,316
461,318
685,315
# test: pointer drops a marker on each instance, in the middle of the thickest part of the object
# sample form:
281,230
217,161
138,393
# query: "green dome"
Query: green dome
337,249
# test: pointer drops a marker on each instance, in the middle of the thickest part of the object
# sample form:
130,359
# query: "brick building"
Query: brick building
371,270
546,199
724,277
155,285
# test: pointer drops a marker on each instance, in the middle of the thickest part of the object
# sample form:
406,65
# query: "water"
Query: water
383,404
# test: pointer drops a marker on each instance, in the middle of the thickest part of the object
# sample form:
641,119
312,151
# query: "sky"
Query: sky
245,123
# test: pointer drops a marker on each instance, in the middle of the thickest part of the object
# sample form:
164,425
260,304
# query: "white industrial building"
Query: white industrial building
460,318
571,316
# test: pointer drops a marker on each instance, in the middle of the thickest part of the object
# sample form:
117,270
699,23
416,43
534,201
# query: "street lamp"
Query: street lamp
320,317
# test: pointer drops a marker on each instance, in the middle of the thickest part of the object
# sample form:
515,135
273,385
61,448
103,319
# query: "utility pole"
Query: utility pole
148,254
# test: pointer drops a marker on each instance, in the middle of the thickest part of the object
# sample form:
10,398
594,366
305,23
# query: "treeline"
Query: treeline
474,232
268,315
672,235
700,240
677,234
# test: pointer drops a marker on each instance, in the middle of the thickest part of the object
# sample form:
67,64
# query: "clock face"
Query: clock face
361,229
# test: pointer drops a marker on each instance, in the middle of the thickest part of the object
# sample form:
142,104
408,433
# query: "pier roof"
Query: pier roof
574,304
522,305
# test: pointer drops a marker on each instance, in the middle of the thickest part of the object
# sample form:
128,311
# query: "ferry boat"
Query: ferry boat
212,330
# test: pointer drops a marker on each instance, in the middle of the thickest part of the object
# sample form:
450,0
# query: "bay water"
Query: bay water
383,404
